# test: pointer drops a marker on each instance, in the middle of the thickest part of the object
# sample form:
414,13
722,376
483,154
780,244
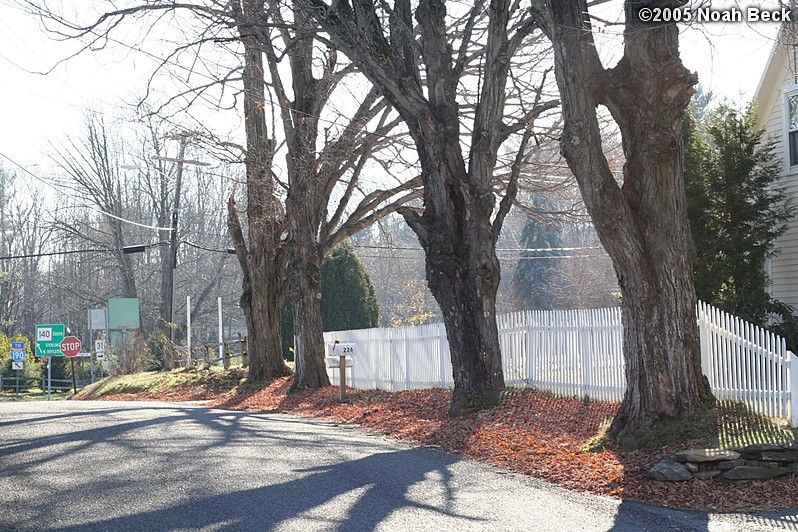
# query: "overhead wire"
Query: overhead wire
80,202
126,249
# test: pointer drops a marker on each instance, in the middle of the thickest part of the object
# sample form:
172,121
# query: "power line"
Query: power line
79,201
126,250
138,248
399,248
193,245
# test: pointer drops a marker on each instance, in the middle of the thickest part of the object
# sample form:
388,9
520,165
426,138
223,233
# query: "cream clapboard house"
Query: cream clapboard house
777,112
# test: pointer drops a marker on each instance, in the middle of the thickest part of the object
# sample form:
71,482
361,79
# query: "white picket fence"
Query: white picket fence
579,353
747,363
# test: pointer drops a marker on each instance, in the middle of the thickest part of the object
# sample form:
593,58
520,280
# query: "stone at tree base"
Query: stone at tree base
705,455
705,475
755,473
759,447
761,463
669,471
780,456
730,464
691,467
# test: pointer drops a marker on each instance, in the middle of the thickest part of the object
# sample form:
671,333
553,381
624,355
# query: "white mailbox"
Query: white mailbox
336,351
340,350
340,356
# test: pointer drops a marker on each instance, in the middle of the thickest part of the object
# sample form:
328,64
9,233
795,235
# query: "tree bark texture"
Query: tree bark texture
305,256
643,223
455,228
305,202
263,259
313,173
305,289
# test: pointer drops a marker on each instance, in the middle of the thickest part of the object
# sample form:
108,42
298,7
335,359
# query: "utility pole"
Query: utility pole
171,291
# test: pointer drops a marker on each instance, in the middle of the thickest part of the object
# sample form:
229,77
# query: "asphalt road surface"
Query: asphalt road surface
118,466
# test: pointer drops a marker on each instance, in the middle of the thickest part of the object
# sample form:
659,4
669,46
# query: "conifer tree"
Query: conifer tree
532,281
348,299
737,210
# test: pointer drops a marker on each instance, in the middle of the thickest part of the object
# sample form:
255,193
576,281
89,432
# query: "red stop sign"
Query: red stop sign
70,346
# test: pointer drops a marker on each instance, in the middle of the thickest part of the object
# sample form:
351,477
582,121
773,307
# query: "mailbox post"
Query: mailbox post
341,351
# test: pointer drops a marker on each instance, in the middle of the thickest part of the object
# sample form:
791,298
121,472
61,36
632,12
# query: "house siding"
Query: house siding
784,266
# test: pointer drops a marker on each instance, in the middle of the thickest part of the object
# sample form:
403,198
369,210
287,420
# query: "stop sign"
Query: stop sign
70,346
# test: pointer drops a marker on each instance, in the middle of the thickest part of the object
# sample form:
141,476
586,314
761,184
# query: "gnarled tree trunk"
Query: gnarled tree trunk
263,260
456,227
305,290
643,223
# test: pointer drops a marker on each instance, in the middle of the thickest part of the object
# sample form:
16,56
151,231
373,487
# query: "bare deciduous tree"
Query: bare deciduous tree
460,223
643,222
262,257
327,201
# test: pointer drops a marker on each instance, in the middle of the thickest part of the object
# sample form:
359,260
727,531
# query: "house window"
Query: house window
792,129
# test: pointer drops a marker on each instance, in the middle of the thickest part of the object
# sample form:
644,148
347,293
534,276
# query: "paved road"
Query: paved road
117,466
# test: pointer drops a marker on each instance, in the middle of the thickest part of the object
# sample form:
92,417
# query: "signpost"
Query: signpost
99,352
48,344
98,321
70,347
343,351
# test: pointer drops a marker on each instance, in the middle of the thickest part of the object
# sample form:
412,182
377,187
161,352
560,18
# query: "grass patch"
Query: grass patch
33,394
730,425
598,442
669,432
151,381
739,426
178,384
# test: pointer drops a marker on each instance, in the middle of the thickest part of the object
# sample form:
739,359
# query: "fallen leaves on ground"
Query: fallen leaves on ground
529,432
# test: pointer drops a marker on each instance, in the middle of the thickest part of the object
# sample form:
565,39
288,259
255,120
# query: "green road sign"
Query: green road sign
48,340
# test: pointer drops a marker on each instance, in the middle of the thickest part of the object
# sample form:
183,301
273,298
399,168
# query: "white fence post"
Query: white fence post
585,332
221,330
703,338
792,367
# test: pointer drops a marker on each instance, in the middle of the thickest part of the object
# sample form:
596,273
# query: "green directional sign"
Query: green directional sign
48,340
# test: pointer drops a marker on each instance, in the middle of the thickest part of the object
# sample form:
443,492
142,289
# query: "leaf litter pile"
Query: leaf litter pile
529,432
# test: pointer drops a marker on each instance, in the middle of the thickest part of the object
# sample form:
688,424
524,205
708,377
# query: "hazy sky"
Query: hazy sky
38,109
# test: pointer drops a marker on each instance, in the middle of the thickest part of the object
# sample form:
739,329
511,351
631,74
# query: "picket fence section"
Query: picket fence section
747,363
579,353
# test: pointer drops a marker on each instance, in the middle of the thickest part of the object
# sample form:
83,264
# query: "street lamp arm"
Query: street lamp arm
180,161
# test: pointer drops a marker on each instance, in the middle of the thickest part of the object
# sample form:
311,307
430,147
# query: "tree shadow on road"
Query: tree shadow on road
369,489
344,494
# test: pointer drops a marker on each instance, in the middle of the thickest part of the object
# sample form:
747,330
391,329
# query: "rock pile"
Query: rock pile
754,462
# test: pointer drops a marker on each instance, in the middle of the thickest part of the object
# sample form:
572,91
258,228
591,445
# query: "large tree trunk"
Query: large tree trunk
304,207
263,261
463,275
462,268
304,268
263,265
643,223
455,228
305,256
